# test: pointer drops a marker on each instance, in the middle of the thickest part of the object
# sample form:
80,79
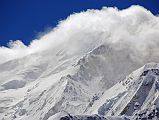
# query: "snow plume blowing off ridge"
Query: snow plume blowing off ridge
134,30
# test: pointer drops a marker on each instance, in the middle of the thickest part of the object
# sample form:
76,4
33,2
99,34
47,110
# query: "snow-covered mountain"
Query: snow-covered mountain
83,69
138,92
134,98
35,87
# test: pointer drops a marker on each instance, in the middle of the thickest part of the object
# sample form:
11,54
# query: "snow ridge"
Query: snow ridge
35,87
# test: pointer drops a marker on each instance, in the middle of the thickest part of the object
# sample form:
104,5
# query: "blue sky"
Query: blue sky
25,19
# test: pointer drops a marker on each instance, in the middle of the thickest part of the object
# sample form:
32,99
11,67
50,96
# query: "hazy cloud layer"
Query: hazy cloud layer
134,29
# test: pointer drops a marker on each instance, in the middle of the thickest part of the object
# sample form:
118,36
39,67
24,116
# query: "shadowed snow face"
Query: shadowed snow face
134,30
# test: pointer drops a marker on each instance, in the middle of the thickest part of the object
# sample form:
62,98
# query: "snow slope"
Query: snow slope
71,69
42,85
135,96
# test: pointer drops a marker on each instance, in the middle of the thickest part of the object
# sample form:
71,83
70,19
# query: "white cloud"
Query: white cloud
134,29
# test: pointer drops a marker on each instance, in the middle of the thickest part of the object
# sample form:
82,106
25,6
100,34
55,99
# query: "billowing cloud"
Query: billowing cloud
134,29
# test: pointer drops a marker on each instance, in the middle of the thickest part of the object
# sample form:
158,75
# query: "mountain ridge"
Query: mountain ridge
72,84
